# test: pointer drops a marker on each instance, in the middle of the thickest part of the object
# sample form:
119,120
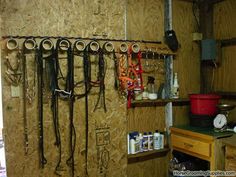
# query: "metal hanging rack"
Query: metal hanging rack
82,38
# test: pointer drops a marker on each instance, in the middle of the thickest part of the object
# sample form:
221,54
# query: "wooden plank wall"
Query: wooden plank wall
187,63
145,21
224,28
65,18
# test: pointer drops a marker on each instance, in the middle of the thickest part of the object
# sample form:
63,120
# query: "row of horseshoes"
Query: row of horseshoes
80,45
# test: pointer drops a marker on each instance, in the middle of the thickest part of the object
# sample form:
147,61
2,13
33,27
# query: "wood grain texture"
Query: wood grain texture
151,168
222,78
146,119
145,19
64,18
230,161
187,63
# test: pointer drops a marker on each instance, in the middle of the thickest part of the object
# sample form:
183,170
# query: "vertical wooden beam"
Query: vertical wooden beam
206,28
206,18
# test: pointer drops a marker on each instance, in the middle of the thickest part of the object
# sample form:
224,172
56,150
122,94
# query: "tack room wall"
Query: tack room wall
65,18
144,19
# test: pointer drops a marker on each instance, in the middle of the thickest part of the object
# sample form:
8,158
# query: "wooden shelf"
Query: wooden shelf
227,95
142,156
160,102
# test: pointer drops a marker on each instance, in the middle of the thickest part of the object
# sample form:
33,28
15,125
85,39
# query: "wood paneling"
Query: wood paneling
146,119
151,168
145,21
187,63
222,78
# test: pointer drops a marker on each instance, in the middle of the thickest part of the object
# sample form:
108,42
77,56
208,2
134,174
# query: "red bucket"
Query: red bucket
204,104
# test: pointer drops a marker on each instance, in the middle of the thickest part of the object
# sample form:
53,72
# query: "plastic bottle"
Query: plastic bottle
152,92
140,142
132,145
161,140
175,89
145,94
145,141
128,145
156,140
150,141
137,144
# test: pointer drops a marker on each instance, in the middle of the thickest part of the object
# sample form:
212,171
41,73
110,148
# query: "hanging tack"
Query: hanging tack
135,48
12,44
94,46
30,44
80,45
109,47
123,47
47,44
64,44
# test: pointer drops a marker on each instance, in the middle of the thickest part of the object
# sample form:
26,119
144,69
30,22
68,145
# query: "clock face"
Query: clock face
220,121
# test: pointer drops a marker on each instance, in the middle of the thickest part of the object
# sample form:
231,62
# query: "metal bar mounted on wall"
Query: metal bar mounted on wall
228,42
83,38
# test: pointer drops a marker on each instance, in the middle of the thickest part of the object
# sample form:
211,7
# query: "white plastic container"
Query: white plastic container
140,142
150,141
132,146
128,145
137,144
175,88
162,141
157,140
145,142
145,94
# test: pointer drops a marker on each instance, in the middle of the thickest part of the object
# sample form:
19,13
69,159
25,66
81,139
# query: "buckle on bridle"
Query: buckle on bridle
63,93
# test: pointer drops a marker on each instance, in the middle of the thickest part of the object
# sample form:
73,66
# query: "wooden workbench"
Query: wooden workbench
202,143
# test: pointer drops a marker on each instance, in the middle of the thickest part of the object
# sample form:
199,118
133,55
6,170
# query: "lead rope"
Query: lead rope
68,95
116,85
40,60
27,95
70,88
87,78
101,78
26,139
87,88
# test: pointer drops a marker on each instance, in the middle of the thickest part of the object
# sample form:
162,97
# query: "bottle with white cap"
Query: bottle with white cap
150,141
175,88
157,140
145,141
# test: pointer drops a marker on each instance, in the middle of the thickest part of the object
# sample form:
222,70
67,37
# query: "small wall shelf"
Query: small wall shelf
142,156
160,102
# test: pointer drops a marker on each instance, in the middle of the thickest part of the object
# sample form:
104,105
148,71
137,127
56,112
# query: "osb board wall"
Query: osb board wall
145,19
187,62
65,18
